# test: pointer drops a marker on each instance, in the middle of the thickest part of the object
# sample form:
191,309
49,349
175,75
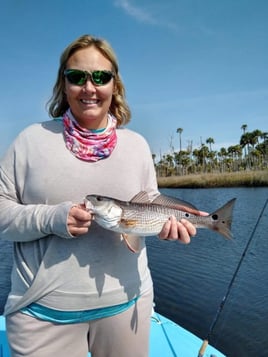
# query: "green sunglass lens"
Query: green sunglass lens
101,77
76,77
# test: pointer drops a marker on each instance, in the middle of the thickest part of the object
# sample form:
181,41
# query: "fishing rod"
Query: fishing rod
223,301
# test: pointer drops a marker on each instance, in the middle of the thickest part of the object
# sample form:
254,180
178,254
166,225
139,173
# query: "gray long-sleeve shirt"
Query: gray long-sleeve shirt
40,180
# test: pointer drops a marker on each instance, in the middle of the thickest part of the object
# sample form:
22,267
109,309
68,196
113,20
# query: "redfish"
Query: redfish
140,217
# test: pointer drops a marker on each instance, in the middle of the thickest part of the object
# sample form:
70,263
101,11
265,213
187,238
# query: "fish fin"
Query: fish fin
222,219
175,203
141,197
164,200
132,242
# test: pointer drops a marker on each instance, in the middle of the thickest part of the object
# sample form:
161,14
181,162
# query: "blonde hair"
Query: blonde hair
58,104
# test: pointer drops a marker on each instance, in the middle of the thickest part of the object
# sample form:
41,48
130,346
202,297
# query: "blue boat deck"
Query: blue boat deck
167,339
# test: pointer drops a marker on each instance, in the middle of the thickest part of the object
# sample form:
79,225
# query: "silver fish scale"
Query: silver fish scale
148,219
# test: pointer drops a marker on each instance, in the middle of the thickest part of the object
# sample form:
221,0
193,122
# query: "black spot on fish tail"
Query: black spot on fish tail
222,219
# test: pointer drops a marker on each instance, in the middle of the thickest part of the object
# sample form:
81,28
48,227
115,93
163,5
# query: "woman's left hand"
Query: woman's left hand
181,230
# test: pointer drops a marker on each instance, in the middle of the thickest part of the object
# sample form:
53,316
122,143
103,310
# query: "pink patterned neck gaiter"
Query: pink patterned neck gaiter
86,144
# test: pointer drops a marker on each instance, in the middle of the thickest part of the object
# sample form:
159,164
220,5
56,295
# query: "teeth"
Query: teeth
92,101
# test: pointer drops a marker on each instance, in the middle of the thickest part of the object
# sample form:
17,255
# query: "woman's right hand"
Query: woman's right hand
79,220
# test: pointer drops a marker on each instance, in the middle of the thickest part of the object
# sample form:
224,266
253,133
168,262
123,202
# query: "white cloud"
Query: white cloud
142,15
135,12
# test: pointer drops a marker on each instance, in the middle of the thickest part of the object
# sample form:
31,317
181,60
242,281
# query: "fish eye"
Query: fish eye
98,198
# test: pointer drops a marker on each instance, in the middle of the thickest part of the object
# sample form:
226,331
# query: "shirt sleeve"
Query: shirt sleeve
21,223
149,179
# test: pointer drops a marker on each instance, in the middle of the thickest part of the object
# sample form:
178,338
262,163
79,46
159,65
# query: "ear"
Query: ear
115,90
115,85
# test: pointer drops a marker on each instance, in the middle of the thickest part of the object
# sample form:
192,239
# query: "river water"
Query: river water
191,280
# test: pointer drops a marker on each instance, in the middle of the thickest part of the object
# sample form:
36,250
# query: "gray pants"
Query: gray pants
122,335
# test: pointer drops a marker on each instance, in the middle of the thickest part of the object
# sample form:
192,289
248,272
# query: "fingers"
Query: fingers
189,227
202,213
178,230
79,220
170,230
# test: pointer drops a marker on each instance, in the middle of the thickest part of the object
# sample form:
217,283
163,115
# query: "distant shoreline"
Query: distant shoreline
233,179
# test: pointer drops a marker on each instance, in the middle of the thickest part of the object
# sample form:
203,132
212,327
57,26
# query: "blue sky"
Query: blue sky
191,64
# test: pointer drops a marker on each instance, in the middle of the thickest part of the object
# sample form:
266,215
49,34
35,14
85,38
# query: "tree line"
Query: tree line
251,153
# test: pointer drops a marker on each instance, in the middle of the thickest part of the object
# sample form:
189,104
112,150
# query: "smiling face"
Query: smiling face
89,103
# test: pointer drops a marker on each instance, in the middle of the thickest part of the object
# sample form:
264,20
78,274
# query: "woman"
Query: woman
75,286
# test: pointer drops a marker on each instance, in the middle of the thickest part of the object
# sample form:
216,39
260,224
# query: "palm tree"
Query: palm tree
222,155
249,140
182,160
245,141
180,130
244,128
263,147
235,152
201,155
256,135
210,141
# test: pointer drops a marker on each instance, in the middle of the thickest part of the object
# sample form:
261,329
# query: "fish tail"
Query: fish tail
222,219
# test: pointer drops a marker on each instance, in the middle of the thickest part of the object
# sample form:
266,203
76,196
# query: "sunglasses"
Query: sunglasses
79,78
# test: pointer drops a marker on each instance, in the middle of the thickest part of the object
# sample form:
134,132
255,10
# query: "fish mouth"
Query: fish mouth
88,204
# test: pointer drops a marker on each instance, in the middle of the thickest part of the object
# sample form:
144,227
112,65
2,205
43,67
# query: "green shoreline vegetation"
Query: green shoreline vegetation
244,164
213,180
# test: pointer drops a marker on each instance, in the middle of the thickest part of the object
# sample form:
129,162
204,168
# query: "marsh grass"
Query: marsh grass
233,179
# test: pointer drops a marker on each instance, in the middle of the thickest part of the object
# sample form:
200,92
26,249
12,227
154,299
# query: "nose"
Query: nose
89,86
